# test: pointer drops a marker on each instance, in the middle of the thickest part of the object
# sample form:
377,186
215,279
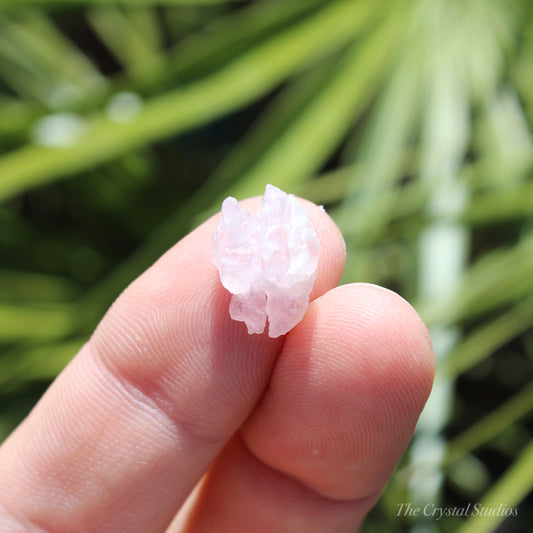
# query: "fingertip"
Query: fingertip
398,340
379,332
346,392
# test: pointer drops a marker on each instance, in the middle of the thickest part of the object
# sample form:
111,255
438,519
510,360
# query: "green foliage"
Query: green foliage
124,124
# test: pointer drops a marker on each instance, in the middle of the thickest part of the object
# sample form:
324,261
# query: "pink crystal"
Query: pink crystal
268,261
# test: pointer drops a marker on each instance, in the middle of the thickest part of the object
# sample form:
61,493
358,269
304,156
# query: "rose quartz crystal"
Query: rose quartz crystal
267,261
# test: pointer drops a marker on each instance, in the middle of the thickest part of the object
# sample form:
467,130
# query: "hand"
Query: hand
293,434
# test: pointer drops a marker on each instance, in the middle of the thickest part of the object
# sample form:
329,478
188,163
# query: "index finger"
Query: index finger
130,426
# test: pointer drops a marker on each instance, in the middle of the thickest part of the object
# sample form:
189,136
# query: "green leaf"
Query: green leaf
24,322
31,287
504,416
130,44
487,338
506,493
40,62
45,361
497,278
22,3
307,143
232,87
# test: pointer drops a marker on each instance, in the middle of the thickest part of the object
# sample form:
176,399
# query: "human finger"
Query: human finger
129,427
339,412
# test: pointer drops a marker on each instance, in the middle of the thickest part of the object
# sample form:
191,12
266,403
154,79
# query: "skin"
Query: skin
173,414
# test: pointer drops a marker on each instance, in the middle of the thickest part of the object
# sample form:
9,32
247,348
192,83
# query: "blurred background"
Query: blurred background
124,124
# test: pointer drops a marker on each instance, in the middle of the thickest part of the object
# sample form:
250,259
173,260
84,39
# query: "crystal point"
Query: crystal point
268,261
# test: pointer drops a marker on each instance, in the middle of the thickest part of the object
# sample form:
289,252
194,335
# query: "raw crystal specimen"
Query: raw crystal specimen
267,261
